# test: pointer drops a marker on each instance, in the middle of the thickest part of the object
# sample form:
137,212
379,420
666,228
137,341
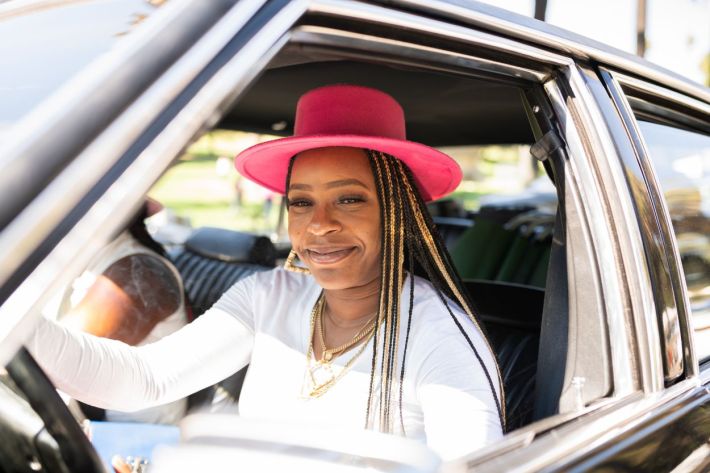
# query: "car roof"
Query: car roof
441,109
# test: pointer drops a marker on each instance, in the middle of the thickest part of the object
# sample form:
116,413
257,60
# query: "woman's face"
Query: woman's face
334,217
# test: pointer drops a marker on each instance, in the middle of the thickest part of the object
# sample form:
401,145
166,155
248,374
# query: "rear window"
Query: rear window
682,162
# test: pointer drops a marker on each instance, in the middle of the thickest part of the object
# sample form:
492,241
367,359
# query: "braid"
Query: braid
288,177
408,227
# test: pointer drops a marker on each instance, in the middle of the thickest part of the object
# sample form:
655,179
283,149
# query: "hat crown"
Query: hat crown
349,110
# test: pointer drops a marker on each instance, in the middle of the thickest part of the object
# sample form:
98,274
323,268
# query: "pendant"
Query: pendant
321,376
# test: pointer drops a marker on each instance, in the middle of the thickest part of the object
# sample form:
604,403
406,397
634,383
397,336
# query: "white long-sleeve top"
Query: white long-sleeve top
264,321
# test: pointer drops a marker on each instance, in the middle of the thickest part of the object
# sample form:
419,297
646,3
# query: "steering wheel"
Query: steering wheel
74,446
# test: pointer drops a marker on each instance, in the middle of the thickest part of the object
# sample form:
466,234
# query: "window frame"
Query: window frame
517,446
681,111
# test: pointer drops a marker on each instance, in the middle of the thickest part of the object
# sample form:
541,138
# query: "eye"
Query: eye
299,203
351,199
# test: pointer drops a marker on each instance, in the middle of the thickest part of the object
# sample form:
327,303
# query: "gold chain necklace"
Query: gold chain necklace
319,374
330,353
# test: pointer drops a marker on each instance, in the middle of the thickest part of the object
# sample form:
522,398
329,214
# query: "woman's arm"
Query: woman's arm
112,375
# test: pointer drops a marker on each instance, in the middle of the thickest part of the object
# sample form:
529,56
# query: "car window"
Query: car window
682,162
46,32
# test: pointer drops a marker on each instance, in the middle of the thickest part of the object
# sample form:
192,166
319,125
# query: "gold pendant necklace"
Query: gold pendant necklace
320,374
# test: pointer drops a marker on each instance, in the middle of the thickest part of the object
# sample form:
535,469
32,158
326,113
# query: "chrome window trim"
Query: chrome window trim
704,376
114,206
636,273
397,19
330,37
597,218
545,35
678,279
658,91
667,308
574,441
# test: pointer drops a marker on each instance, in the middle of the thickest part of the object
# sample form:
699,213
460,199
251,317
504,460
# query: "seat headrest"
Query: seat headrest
232,246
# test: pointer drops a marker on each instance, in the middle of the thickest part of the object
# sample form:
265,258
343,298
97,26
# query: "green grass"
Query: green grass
193,190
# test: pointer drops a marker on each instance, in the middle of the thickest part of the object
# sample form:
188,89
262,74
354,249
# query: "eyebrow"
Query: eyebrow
330,185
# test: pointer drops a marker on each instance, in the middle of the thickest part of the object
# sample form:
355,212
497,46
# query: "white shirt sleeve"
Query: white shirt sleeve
459,410
113,375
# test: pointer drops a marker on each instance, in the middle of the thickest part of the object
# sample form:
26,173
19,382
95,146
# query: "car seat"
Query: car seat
210,262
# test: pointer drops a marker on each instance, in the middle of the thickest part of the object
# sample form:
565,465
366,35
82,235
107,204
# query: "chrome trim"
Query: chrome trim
704,376
108,213
573,441
597,217
329,37
541,34
658,91
682,299
398,19
621,207
38,219
523,438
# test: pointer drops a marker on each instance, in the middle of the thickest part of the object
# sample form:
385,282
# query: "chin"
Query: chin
333,278
338,279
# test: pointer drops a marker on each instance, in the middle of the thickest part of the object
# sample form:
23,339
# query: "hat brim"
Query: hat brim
436,173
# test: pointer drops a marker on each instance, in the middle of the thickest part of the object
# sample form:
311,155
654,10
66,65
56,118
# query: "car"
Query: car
601,324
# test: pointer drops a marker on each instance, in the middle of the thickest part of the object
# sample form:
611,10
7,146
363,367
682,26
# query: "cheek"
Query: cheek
295,232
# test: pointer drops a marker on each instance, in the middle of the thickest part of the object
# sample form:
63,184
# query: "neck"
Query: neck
353,306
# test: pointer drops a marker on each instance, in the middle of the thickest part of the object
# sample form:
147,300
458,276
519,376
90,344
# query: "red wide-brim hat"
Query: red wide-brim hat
350,116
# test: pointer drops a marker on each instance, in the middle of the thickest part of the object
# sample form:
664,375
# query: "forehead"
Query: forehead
329,164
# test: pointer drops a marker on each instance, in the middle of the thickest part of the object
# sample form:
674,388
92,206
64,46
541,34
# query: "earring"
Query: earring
290,266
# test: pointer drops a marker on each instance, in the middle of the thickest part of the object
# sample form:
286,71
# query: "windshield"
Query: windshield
43,44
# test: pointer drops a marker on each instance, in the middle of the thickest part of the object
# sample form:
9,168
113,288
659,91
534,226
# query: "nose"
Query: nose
322,221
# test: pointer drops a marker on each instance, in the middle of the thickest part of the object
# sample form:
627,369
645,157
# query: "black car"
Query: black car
603,336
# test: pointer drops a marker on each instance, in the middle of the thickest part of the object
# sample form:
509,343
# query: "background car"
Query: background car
595,299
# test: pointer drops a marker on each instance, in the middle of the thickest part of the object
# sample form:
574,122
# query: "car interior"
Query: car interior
512,253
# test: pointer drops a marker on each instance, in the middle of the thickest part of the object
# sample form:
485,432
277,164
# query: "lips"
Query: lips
328,255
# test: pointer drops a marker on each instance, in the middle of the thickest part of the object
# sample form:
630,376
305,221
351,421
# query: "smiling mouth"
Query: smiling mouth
326,256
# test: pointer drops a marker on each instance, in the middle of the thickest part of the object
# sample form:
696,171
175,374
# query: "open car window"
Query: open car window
499,226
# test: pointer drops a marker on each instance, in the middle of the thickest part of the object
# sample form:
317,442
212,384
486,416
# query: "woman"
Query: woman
359,341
